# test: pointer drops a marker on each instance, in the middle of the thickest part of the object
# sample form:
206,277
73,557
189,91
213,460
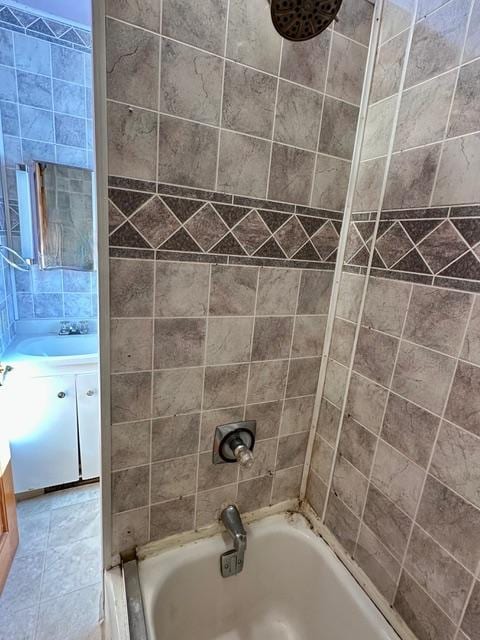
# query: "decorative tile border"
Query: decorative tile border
54,31
439,246
168,222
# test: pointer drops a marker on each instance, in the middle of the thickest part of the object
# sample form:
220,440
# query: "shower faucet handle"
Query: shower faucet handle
234,442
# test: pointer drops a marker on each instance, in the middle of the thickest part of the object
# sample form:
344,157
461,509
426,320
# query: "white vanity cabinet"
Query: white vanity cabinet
54,429
43,432
88,408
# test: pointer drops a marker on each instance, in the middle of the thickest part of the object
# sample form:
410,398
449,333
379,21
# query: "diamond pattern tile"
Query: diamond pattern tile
128,201
231,214
469,228
377,261
206,227
412,262
128,236
25,18
307,252
354,242
467,267
72,36
418,229
181,241
291,237
311,225
271,249
251,232
7,16
115,217
40,26
365,229
57,27
325,240
155,221
442,247
394,244
361,258
273,219
182,208
229,246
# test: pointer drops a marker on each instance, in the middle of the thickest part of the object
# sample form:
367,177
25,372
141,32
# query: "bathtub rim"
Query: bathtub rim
312,520
305,522
155,547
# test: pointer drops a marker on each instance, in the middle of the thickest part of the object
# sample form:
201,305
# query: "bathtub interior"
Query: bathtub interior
292,588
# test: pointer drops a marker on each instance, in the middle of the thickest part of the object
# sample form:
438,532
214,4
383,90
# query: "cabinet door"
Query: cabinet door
8,523
42,423
89,424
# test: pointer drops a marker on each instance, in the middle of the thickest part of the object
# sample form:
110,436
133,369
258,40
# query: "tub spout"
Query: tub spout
231,562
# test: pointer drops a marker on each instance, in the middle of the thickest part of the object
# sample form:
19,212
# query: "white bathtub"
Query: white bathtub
292,588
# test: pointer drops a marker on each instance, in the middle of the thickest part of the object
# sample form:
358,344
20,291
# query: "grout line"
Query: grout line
202,401
415,524
378,435
399,395
227,130
432,452
438,142
224,408
282,413
229,364
422,588
426,14
245,401
452,101
274,121
371,255
320,122
466,603
207,192
222,93
236,317
152,360
159,93
217,55
355,165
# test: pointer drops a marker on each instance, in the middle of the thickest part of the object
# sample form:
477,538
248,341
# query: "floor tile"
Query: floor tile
33,506
33,533
19,625
74,616
23,585
74,522
71,566
75,495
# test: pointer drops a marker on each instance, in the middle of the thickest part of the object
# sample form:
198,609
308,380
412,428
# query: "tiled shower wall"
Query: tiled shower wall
395,470
229,155
45,106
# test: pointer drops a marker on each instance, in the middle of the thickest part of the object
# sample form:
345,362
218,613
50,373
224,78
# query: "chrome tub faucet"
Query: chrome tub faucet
231,562
68,328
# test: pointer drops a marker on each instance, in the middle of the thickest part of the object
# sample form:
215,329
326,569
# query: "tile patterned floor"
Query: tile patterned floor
54,588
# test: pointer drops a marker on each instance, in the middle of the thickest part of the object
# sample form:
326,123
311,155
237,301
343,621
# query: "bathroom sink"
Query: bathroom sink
54,346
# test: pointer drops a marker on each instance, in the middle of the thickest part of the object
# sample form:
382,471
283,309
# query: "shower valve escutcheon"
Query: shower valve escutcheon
234,442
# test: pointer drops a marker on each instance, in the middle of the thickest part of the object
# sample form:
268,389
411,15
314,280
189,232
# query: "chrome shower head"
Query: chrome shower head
299,20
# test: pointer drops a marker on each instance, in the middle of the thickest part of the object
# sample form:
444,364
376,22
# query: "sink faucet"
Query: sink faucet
231,562
68,328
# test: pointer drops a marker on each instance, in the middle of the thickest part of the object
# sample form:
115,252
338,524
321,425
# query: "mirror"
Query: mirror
64,198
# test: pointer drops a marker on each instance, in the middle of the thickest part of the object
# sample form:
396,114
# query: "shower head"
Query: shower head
299,20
